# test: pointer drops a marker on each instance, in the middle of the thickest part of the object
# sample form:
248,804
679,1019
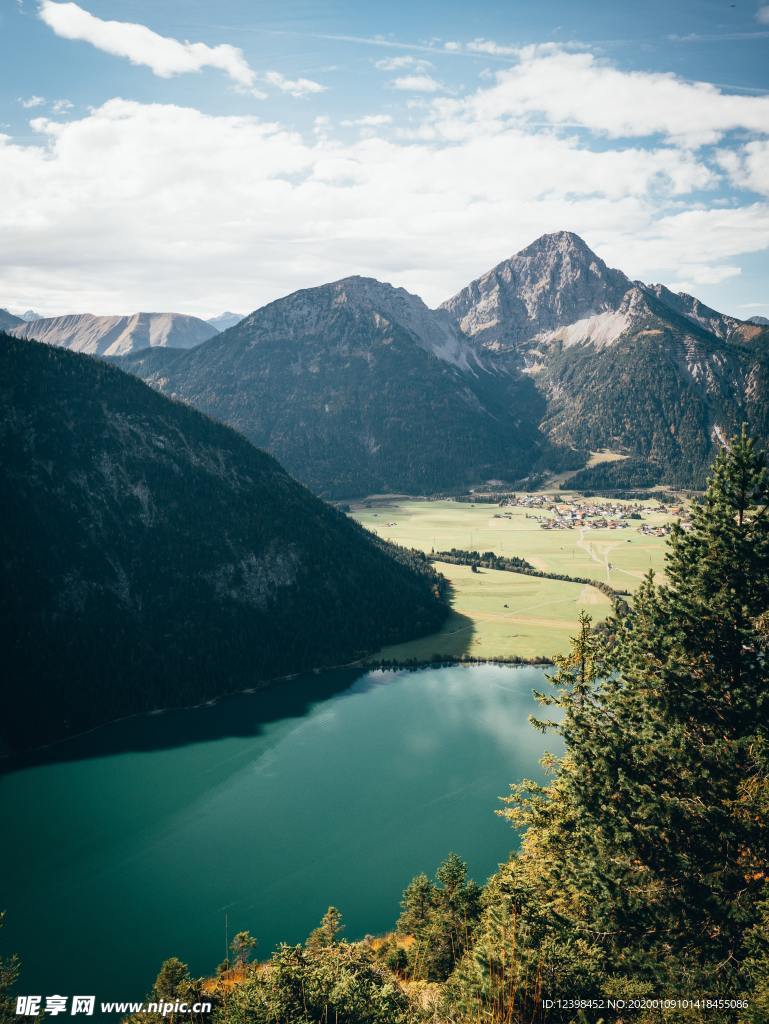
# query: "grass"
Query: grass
541,614
499,614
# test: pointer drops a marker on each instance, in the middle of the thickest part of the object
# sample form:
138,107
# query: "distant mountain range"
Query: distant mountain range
225,320
357,387
8,320
114,335
151,557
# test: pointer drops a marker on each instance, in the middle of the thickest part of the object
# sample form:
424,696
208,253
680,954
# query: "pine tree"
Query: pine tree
327,933
651,840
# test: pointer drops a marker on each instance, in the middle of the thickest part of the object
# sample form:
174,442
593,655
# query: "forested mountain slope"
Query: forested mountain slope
357,387
152,557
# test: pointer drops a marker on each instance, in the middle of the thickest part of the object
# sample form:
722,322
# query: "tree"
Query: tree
10,968
326,984
327,933
416,906
440,915
242,946
172,974
648,830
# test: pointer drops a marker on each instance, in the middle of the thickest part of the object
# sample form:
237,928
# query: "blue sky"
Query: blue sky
198,156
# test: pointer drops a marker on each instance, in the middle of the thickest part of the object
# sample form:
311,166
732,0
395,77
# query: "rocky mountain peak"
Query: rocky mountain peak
558,242
555,280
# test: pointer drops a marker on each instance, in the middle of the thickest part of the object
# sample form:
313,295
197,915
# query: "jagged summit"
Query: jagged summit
557,242
556,280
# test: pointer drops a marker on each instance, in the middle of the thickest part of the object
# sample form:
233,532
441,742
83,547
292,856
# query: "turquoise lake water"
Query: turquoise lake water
138,841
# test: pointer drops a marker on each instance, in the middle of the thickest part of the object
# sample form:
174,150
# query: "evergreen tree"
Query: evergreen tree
242,946
9,973
665,744
645,859
327,933
440,916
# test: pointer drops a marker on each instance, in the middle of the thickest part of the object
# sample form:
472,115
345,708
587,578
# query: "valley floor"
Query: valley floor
503,614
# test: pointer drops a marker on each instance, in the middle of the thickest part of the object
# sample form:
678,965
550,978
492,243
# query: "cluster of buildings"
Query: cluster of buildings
567,513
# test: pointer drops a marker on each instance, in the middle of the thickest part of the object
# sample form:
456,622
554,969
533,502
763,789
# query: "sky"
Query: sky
197,156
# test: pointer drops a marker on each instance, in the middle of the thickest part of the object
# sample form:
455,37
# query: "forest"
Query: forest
142,540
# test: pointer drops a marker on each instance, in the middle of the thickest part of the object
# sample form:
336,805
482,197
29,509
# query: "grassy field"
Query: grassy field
541,614
499,614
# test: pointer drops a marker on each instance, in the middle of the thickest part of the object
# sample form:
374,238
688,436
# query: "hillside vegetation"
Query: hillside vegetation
151,557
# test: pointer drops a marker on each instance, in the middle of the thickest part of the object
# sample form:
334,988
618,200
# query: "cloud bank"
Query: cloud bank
137,205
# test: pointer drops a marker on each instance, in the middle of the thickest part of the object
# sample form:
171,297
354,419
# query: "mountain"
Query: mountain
117,335
225,320
151,557
29,315
8,321
358,388
618,364
555,281
762,321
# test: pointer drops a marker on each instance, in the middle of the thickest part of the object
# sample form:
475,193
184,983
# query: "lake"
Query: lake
140,840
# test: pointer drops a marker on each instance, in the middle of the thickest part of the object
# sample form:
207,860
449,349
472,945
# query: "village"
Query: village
566,513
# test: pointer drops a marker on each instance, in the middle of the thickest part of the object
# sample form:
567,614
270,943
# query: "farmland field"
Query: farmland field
501,614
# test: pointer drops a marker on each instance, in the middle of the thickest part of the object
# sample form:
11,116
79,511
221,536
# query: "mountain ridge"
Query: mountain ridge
116,335
358,387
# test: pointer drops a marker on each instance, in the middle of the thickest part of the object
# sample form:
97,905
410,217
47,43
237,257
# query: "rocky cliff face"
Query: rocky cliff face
619,364
117,335
551,283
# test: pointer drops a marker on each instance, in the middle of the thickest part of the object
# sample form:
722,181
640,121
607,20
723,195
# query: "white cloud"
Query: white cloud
695,275
762,15
61,106
164,55
368,121
416,83
578,89
492,48
399,63
748,167
298,87
31,101
95,218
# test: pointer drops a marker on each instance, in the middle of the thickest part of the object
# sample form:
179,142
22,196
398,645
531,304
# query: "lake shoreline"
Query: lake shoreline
385,665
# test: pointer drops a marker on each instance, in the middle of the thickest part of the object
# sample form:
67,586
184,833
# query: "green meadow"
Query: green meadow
502,614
